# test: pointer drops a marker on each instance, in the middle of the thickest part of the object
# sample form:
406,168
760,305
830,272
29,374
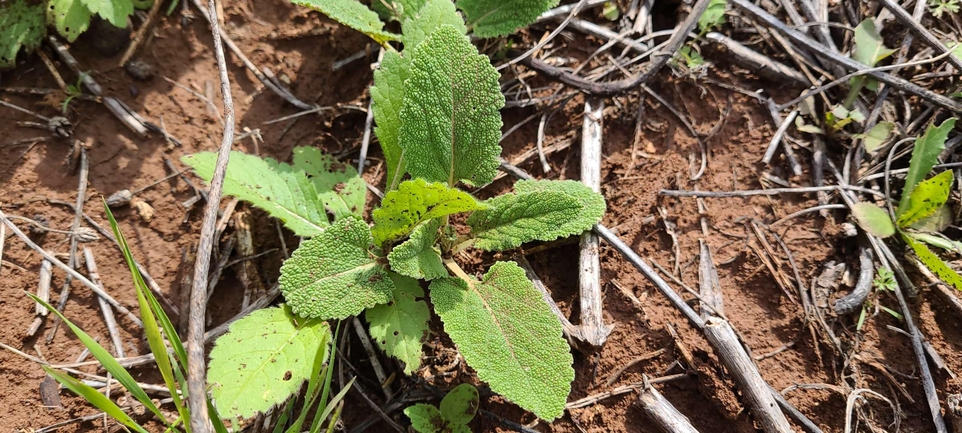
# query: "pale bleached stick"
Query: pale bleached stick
372,355
661,411
104,308
567,328
593,329
43,292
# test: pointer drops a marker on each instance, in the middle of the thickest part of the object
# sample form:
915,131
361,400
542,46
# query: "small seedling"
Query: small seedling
939,7
73,91
457,410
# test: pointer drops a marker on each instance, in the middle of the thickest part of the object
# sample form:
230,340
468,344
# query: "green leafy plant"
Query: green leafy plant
73,91
939,7
436,106
921,207
869,50
457,409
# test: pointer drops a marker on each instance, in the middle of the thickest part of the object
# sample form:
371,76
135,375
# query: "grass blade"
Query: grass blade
333,404
95,398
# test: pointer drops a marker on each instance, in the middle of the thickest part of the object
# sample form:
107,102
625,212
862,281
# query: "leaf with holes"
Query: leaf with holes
114,11
925,155
419,257
69,17
934,263
263,359
353,14
873,219
340,189
492,18
414,202
926,198
399,326
507,333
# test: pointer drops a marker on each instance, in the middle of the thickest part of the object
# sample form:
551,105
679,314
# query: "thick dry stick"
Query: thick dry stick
927,36
755,61
43,292
75,227
569,330
368,123
664,415
108,313
770,21
709,287
372,355
593,329
141,34
196,377
853,301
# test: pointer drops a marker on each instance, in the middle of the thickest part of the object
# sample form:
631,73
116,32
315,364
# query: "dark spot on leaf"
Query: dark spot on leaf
287,375
396,333
375,278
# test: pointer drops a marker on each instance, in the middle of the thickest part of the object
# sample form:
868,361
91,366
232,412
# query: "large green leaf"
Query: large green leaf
114,11
414,202
353,14
924,156
507,333
492,18
934,263
873,219
399,326
539,210
927,197
21,25
869,46
387,96
263,359
419,257
335,275
450,123
432,15
69,17
341,190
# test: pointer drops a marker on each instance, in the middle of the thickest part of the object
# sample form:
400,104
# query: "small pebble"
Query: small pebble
119,198
140,70
849,230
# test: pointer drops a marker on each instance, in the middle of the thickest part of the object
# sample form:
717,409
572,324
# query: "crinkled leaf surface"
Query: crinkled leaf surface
414,202
334,275
924,156
341,190
425,418
539,210
263,359
418,257
396,9
450,123
934,263
873,219
114,11
353,14
432,15
927,197
869,46
507,333
284,192
873,138
399,326
69,17
460,404
492,18
21,25
387,95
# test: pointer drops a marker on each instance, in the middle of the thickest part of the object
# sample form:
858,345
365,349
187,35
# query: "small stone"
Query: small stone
849,230
144,209
119,198
140,70
86,234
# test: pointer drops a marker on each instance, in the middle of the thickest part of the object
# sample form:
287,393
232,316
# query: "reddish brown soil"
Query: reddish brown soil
303,47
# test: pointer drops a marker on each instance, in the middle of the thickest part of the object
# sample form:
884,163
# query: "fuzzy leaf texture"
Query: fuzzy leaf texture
873,219
507,333
934,263
927,197
69,17
21,25
414,202
450,123
418,257
341,190
263,359
391,10
460,404
334,275
114,11
387,95
492,18
925,155
432,15
399,326
869,46
289,193
353,14
425,418
542,210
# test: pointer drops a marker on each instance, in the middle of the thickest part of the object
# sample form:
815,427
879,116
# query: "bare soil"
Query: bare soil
301,46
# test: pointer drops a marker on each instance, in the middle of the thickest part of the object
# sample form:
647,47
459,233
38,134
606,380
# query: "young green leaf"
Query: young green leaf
450,123
414,202
873,219
493,18
714,16
387,95
934,263
873,138
21,25
353,14
425,418
276,187
507,333
114,11
927,197
418,257
399,326
539,210
95,398
263,359
334,275
432,15
924,156
460,404
869,47
338,185
69,17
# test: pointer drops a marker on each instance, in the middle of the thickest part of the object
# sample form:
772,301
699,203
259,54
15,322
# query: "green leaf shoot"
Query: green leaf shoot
387,96
353,14
450,123
334,275
507,333
69,17
414,202
927,197
432,15
425,418
934,263
713,17
21,26
493,18
341,190
263,359
873,219
924,156
399,326
419,257
538,210
95,398
869,46
460,405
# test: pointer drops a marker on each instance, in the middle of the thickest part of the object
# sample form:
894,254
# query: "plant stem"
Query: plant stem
456,270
